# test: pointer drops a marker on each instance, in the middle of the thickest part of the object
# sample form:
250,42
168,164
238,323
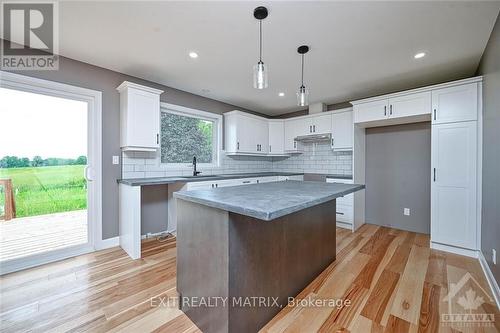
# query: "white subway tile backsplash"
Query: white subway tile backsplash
316,158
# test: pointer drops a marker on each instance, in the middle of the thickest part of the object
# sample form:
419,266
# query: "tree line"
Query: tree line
38,161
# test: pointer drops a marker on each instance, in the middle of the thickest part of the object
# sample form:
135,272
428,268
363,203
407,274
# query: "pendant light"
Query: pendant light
260,70
302,93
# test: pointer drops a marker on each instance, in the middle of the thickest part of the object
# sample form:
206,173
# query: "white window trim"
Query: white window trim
188,112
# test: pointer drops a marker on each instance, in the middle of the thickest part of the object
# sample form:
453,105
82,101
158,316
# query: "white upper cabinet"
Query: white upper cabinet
371,111
318,124
293,128
342,131
139,117
245,134
276,137
458,103
399,109
410,105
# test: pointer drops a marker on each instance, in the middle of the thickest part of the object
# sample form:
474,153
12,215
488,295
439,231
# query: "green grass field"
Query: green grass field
46,190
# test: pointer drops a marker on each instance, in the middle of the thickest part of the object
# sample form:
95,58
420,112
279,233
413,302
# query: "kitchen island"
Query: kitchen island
242,251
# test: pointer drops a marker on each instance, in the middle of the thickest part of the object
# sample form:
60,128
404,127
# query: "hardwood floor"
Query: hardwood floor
394,281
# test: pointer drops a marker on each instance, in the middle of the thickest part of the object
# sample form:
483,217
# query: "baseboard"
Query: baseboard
454,249
107,243
344,225
156,234
495,290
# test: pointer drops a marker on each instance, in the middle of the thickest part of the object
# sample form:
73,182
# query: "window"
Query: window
186,133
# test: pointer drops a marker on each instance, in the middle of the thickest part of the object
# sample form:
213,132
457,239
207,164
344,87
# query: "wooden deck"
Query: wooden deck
395,282
25,236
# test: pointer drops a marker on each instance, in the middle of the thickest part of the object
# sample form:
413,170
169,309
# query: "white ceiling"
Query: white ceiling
357,49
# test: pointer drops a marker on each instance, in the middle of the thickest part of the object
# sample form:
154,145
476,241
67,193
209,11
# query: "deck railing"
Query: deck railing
10,205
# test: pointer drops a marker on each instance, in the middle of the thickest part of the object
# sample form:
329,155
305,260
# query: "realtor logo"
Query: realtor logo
465,300
30,38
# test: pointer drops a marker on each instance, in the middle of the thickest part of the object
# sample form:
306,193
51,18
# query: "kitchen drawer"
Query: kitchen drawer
345,213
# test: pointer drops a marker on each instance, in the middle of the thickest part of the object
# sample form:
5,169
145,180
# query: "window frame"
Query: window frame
199,114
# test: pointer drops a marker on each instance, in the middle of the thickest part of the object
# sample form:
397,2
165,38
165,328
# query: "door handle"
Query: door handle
237,145
434,174
434,114
310,129
269,148
385,110
340,213
390,110
246,182
157,138
314,128
87,173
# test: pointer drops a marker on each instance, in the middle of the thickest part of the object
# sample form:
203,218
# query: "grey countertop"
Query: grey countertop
268,201
181,179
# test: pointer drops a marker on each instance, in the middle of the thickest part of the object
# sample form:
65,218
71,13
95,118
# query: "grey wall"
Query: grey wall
88,76
398,160
490,228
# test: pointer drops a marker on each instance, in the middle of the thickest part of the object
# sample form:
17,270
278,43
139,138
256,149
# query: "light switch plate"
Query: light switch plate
116,159
406,211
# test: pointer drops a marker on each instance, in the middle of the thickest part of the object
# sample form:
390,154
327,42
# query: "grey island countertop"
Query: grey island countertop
268,201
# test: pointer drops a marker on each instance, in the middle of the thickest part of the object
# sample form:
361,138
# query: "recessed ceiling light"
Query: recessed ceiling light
281,94
193,54
419,55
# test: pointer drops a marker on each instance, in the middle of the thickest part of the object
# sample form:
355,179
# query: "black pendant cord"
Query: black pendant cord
260,40
302,70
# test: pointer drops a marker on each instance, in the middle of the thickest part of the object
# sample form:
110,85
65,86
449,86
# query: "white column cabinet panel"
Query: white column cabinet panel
458,103
342,131
453,187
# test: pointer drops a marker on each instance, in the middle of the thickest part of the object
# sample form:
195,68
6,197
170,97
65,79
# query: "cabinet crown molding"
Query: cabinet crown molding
417,90
126,84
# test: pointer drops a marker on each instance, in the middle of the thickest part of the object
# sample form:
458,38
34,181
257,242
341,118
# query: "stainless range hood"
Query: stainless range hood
314,138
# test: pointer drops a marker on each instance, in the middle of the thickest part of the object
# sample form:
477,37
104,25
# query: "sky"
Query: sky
33,124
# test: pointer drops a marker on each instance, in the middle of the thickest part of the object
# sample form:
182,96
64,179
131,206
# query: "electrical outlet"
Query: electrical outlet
494,256
406,211
116,159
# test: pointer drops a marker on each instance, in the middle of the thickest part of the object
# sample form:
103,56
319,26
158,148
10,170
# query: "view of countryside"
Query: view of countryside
44,186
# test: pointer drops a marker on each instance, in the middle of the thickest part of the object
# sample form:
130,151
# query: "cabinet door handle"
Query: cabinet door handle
246,182
314,128
216,185
385,110
434,114
237,145
332,142
390,110
434,174
269,148
294,144
340,213
212,185
310,129
157,138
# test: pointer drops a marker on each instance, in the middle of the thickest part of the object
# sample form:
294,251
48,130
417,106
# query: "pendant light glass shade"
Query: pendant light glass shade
260,70
302,96
302,93
260,76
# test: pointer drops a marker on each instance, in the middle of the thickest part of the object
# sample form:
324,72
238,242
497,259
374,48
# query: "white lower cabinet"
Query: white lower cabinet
453,184
209,184
345,205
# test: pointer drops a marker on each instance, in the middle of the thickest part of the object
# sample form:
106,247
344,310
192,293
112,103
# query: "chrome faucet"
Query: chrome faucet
195,173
